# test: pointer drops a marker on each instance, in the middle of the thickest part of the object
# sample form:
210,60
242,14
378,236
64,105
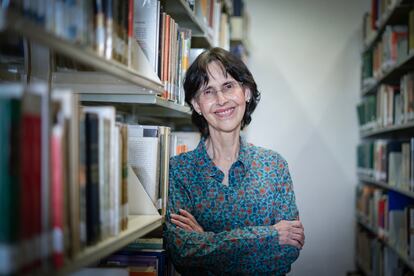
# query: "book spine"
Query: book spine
124,172
57,196
93,231
82,182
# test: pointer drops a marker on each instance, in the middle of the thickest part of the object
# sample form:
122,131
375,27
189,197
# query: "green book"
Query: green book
9,181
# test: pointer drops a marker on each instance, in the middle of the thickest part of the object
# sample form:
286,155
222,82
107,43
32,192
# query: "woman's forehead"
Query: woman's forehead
216,72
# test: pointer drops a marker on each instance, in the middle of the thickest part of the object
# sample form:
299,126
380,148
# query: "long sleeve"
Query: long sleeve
290,210
246,250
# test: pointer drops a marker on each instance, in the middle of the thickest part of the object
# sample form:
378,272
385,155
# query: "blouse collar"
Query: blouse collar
207,165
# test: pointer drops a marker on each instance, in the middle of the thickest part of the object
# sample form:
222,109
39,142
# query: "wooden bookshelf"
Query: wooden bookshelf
14,22
138,226
395,15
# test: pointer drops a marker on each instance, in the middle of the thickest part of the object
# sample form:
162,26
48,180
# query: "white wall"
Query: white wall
305,57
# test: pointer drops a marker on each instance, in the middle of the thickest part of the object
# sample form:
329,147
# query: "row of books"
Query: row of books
377,259
107,26
391,214
114,29
144,256
392,49
390,106
65,180
380,10
388,161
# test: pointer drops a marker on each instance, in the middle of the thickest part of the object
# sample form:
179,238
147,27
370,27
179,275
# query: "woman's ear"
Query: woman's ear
247,94
196,106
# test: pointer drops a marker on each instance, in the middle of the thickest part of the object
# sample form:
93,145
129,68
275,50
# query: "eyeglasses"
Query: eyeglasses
228,88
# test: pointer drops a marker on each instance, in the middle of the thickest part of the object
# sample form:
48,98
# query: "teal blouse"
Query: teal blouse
237,219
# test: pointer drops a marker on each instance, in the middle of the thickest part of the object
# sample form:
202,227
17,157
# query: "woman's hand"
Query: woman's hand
291,232
186,221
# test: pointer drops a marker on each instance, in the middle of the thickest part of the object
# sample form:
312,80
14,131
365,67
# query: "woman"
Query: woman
231,206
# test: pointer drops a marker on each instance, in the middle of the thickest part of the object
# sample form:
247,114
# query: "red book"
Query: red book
57,196
30,208
374,14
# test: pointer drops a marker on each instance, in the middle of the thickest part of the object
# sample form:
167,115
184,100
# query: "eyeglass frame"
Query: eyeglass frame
215,91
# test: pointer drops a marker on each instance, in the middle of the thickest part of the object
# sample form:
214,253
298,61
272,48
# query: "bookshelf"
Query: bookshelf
385,192
138,225
395,14
14,22
403,256
102,82
392,76
182,13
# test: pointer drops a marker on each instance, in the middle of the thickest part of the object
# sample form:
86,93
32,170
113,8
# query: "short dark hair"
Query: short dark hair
197,76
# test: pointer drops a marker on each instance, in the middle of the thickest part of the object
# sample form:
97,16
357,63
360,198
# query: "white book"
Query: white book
395,169
144,157
146,28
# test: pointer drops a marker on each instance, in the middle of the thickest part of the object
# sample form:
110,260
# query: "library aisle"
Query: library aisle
92,109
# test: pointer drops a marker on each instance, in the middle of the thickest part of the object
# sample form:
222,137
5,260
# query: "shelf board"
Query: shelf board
152,105
385,185
185,17
370,89
408,127
13,21
393,76
401,255
397,14
138,225
96,83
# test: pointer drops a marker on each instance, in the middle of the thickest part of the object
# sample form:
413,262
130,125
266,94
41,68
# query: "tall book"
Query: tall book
124,177
106,162
411,32
93,228
144,157
10,115
165,142
146,28
69,113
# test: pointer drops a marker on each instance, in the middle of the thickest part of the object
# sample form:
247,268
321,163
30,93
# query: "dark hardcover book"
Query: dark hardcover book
82,181
93,232
9,180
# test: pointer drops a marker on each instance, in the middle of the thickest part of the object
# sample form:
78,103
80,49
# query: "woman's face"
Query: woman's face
222,100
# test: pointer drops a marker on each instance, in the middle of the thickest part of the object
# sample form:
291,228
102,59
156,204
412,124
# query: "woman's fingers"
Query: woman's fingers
182,219
291,232
185,218
181,225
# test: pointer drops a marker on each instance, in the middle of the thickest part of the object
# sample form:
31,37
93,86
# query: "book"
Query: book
68,103
144,157
93,226
106,163
10,115
146,28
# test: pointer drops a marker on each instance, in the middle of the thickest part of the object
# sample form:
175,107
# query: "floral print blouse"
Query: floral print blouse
237,218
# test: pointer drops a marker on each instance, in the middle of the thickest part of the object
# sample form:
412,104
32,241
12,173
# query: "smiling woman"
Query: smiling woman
231,205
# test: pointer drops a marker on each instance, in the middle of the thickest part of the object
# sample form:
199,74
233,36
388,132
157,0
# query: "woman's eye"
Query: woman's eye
208,92
228,86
